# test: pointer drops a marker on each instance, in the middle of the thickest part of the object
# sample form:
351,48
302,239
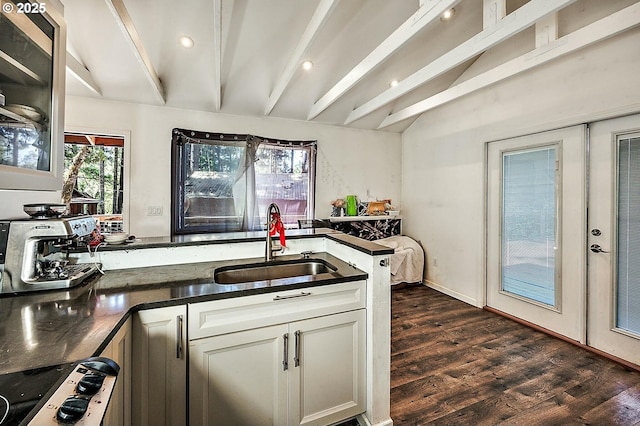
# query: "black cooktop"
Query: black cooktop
21,391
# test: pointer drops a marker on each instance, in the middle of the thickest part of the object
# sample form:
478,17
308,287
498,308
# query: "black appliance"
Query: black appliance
56,395
20,392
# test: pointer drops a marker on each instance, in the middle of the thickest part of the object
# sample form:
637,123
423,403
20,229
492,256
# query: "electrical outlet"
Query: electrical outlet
435,261
154,210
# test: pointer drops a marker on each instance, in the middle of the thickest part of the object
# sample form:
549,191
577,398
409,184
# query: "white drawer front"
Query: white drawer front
242,313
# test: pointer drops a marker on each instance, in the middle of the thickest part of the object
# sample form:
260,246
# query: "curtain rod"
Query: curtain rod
199,136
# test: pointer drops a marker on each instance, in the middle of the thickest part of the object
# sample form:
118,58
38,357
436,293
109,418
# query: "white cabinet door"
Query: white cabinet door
119,350
239,378
159,375
327,380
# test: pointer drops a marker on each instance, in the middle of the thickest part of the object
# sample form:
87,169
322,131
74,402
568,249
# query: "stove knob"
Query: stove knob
72,409
90,383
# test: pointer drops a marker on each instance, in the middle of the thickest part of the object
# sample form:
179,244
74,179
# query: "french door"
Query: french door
536,221
548,261
614,238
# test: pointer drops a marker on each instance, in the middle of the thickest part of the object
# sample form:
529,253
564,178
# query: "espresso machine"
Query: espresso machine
35,252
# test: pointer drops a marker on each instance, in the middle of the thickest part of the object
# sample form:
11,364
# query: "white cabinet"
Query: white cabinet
328,384
119,350
159,374
238,378
306,371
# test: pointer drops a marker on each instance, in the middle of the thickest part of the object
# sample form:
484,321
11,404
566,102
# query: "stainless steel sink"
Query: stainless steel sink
271,271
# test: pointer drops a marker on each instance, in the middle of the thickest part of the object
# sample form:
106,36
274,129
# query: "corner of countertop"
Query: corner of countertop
369,247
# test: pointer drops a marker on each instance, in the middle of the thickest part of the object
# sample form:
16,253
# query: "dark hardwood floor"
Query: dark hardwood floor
452,363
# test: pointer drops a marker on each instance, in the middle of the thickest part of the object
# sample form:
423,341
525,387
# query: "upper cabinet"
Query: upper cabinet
32,77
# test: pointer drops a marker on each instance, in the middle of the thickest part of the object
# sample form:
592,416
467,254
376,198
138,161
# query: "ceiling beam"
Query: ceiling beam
513,23
82,74
610,26
217,53
122,17
320,16
428,13
492,12
547,30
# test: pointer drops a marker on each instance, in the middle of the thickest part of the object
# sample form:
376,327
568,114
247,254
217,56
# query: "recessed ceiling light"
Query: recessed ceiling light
307,65
448,14
393,83
186,41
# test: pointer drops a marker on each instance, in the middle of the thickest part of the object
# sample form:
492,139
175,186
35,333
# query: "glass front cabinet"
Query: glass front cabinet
32,76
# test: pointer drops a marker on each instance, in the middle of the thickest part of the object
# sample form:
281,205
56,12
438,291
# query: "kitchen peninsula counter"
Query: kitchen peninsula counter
49,331
60,326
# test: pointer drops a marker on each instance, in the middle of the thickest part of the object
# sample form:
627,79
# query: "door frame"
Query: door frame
575,174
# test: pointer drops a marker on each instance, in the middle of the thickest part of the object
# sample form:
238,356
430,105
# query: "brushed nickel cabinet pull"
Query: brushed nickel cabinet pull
285,355
296,355
293,296
179,337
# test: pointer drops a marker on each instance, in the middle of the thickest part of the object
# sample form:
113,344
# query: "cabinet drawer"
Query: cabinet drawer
242,313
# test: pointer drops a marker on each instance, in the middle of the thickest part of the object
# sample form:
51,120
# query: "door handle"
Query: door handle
179,336
285,355
296,356
293,296
597,249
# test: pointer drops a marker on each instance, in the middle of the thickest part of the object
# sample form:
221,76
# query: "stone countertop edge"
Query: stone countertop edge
368,247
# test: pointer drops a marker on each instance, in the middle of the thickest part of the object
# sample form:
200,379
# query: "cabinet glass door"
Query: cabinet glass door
26,89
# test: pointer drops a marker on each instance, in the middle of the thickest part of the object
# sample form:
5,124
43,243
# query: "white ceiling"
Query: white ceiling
243,49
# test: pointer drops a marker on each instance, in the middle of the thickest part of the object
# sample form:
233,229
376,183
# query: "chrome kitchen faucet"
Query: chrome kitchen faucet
274,224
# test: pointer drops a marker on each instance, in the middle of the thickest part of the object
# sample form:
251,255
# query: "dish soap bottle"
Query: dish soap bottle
352,205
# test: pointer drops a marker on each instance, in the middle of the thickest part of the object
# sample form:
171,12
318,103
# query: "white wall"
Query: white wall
443,151
349,161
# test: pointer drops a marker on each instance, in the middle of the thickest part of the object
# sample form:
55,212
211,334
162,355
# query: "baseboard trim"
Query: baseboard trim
449,292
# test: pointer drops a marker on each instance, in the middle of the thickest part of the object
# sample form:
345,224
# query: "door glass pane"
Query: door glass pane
529,201
628,250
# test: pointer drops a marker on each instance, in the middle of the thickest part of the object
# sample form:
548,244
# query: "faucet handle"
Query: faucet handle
306,254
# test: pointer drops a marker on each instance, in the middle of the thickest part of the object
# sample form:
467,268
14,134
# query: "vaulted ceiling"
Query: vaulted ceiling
247,54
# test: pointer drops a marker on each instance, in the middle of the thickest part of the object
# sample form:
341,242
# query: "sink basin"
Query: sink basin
271,271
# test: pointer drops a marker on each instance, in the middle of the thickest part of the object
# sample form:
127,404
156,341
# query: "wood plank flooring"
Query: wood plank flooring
454,364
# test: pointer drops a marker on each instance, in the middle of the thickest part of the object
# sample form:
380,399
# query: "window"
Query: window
94,178
225,182
628,238
529,223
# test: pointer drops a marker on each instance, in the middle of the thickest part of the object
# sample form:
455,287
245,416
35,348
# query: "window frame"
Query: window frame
179,139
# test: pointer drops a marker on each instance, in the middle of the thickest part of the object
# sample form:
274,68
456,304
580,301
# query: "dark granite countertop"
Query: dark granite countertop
60,326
